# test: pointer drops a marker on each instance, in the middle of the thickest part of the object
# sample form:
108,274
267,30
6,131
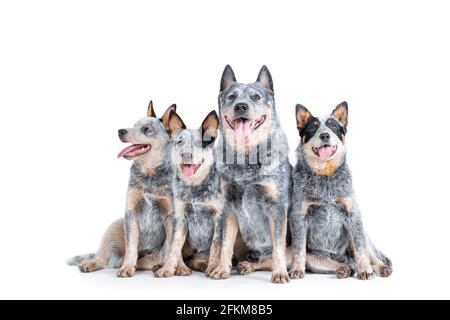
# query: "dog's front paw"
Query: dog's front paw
164,273
182,271
244,268
296,274
343,272
365,275
385,271
88,267
280,277
220,274
157,267
126,272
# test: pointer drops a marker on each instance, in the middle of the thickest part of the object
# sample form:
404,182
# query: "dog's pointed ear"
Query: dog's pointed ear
166,116
210,128
341,113
175,123
150,111
303,115
265,78
228,78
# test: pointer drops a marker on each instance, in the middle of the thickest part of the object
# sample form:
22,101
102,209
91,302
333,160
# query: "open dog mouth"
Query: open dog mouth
134,151
325,151
188,170
244,128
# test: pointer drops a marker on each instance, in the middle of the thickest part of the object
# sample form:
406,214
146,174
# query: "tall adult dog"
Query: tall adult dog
253,162
326,224
142,238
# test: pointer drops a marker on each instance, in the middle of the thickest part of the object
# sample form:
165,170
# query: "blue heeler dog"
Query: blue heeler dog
141,240
256,173
326,225
198,200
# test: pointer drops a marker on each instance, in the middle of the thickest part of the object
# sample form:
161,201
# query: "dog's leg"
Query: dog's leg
321,264
113,240
358,243
174,263
168,224
278,227
131,248
149,261
380,268
230,231
214,254
199,262
247,267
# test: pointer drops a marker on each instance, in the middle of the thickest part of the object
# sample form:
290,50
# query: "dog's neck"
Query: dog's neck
152,165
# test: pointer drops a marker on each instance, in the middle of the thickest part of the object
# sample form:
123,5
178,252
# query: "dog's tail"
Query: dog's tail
80,260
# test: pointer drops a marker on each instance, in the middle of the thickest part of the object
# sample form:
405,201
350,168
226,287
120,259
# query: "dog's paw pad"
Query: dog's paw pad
280,277
343,272
296,274
365,275
126,272
182,272
385,271
163,273
244,268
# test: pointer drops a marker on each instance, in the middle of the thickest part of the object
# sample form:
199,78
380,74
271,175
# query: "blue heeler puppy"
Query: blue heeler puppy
256,173
326,225
141,239
198,201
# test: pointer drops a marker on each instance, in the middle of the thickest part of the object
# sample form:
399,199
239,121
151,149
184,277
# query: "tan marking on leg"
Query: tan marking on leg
230,229
166,205
134,196
364,268
215,205
305,206
279,268
271,190
174,263
246,267
168,225
345,202
325,264
131,252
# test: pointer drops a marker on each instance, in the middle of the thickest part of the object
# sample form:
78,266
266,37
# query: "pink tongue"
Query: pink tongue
128,149
242,129
188,170
325,152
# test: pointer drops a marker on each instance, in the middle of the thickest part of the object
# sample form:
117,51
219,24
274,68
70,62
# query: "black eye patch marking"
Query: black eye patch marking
336,127
309,130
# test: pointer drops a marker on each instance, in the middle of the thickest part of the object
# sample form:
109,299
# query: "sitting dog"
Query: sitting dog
141,239
256,174
327,230
197,199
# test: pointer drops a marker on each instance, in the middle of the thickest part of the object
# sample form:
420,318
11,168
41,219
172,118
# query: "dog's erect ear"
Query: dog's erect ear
175,123
303,115
265,78
209,128
341,113
150,111
228,78
166,116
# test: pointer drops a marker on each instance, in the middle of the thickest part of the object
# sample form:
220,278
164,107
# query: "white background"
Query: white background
73,72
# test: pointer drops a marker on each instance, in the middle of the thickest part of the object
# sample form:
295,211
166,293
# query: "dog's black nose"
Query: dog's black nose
324,136
122,132
187,157
240,107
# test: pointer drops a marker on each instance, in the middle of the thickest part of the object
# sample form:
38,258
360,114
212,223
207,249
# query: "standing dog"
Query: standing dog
256,174
141,239
198,201
326,223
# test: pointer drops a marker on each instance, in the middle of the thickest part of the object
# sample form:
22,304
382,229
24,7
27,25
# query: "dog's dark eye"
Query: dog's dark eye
231,97
147,130
180,141
255,97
